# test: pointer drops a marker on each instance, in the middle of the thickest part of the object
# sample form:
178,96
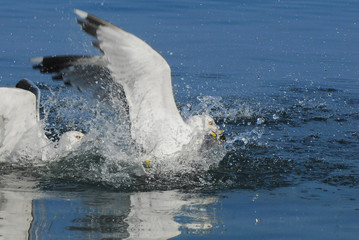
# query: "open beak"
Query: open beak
219,135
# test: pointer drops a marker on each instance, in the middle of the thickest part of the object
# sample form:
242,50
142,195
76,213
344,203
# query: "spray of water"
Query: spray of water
107,154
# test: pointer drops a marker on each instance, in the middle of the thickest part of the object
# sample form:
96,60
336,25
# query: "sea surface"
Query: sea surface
280,77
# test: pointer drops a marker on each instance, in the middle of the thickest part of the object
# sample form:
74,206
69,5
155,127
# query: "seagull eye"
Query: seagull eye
78,137
210,123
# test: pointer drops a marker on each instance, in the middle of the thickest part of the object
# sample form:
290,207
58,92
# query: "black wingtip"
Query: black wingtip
88,27
96,44
55,64
58,77
29,86
91,23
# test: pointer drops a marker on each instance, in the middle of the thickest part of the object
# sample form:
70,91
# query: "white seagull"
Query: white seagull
131,70
21,134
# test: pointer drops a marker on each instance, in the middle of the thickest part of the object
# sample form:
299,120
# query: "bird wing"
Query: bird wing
146,79
85,73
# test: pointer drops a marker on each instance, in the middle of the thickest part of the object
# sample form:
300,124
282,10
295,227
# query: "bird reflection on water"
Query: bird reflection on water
30,214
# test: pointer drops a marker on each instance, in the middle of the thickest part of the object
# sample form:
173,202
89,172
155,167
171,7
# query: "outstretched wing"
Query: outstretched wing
129,58
146,79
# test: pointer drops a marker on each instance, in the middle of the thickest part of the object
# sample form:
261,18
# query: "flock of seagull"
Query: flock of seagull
128,70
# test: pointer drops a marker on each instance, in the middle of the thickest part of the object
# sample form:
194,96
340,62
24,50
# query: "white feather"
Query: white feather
21,134
145,76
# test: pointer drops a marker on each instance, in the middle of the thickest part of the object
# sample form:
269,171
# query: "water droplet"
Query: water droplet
260,121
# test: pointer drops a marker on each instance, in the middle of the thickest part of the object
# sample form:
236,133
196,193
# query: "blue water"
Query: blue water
281,78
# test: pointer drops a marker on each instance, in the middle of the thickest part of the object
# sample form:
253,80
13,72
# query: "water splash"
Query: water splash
265,145
109,156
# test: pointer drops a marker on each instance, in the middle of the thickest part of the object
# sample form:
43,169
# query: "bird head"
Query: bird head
207,125
70,140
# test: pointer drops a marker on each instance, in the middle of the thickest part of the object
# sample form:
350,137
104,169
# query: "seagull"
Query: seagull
131,71
21,134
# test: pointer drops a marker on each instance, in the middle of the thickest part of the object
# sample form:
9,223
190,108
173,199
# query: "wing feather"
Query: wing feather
85,73
146,78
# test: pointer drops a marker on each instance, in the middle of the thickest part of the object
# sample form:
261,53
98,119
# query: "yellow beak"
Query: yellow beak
214,135
218,136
